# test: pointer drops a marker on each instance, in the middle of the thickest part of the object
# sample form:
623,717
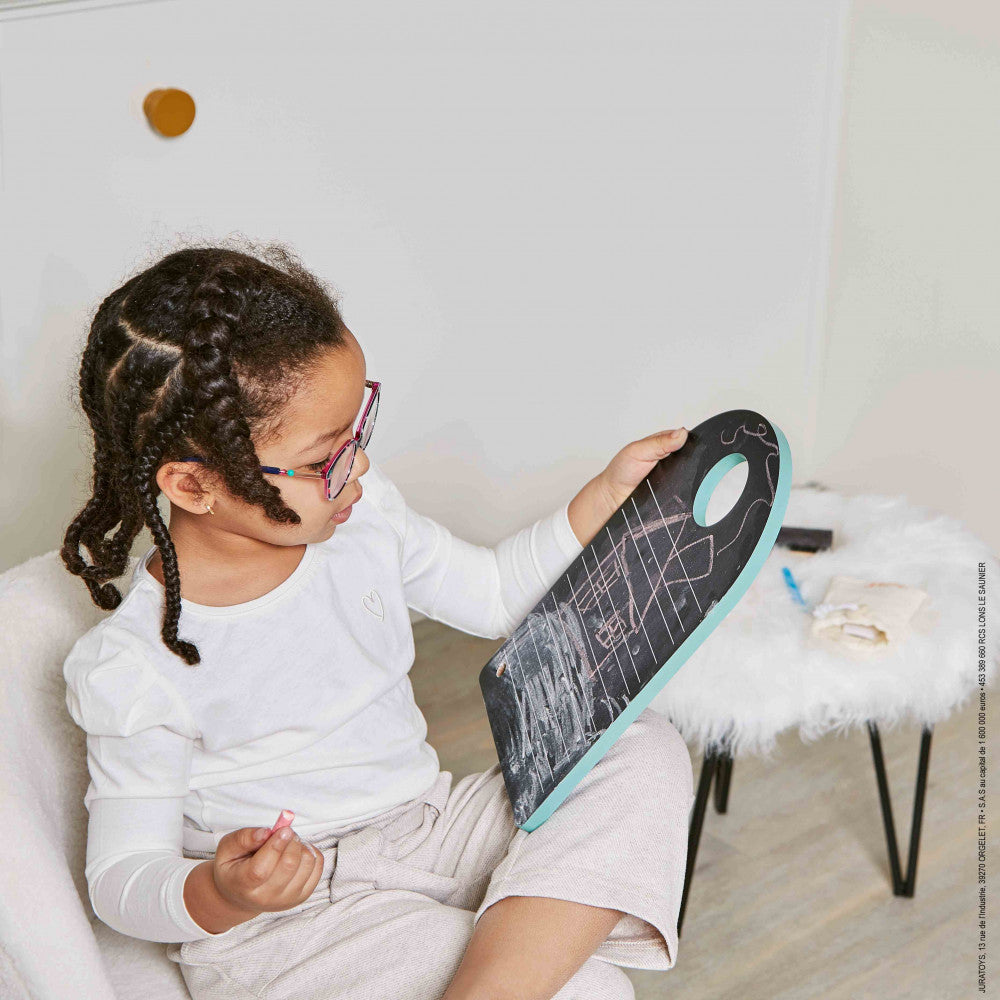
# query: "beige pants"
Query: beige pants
401,893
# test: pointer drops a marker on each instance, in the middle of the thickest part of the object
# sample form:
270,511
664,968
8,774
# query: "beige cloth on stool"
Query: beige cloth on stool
866,616
401,894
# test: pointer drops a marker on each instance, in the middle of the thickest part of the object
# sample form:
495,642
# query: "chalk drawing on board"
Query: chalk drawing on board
629,609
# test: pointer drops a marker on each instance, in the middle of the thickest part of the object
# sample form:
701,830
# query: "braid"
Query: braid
145,473
103,510
208,376
192,356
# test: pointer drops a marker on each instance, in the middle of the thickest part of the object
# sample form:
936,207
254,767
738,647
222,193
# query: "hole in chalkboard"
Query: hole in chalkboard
720,490
501,669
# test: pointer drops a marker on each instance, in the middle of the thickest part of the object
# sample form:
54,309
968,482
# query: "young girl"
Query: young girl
259,660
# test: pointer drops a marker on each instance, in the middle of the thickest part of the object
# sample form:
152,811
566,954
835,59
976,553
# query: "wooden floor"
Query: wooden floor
791,898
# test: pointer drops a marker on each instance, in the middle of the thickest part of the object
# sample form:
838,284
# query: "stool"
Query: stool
762,672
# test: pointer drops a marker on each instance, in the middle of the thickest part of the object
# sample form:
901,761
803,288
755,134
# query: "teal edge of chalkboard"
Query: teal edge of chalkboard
729,600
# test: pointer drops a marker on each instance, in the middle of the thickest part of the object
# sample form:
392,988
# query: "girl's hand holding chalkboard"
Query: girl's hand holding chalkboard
257,869
633,463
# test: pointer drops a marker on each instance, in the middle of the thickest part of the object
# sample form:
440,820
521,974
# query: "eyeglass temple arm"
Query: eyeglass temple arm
268,468
289,472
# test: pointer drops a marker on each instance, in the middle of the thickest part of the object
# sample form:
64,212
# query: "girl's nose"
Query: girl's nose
361,464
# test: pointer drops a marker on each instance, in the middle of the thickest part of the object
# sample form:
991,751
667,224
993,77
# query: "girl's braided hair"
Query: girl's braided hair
193,356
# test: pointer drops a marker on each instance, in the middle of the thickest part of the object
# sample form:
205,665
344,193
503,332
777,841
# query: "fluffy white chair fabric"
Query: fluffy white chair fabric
761,671
51,944
754,677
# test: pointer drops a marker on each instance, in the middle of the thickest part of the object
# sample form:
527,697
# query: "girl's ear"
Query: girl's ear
180,484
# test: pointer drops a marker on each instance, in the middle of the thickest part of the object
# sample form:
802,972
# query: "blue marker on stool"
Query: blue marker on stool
792,585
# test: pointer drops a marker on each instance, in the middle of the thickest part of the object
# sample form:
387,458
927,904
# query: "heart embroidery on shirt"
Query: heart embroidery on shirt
376,601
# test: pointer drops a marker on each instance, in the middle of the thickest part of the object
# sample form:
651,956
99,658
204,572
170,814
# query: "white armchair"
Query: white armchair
51,944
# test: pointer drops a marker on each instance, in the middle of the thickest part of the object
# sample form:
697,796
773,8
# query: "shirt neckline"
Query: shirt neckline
290,582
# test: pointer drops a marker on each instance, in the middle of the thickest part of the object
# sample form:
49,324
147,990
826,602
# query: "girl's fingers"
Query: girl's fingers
309,872
672,440
289,864
317,873
268,855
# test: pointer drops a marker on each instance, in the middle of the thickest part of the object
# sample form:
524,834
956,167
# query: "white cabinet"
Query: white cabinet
556,226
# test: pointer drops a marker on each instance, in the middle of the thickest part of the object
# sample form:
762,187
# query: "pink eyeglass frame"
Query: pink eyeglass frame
328,468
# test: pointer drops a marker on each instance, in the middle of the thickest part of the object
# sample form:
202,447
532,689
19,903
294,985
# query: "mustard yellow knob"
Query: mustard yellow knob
170,111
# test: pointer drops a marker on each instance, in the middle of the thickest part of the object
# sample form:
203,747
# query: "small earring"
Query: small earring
209,509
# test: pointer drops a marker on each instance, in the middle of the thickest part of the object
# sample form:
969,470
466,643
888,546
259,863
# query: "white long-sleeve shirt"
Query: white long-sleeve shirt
302,699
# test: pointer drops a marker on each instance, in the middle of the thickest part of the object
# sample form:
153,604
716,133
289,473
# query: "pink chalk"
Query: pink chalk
285,819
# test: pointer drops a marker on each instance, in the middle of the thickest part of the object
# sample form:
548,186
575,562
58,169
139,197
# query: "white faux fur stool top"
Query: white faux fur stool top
761,671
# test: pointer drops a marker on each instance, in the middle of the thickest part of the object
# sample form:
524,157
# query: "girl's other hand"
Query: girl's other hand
633,463
272,872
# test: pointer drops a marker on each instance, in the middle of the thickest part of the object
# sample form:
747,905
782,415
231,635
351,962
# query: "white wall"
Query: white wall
555,229
911,369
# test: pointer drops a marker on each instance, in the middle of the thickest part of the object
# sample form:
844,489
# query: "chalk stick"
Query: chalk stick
285,819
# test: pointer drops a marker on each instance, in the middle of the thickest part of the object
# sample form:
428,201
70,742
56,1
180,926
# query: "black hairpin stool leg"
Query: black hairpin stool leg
723,773
902,886
709,770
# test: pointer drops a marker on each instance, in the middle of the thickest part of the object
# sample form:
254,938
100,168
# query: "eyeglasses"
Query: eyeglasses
337,470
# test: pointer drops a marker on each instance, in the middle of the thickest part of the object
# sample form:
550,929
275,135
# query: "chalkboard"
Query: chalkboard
631,608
